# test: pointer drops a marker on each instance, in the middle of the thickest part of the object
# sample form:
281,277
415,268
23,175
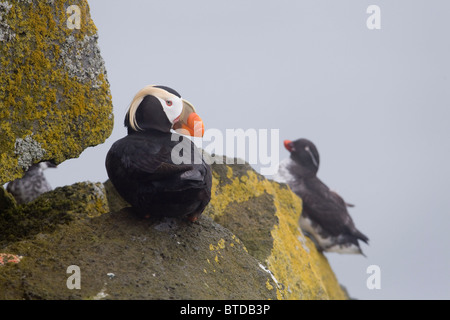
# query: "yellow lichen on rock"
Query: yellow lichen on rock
304,272
54,93
240,190
264,215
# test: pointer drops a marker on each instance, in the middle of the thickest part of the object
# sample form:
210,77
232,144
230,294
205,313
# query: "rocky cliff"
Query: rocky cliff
54,103
246,245
54,93
264,215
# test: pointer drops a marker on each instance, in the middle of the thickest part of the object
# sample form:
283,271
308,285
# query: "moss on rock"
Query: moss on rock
7,201
47,212
123,257
115,201
54,93
246,245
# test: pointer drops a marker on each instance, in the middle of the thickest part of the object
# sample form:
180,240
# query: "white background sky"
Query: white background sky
375,102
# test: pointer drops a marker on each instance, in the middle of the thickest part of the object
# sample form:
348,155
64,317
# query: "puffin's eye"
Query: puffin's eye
169,103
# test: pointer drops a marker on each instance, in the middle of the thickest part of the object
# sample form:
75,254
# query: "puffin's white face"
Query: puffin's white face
180,113
172,106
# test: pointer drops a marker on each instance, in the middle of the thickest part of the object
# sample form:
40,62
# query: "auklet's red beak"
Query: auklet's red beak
289,145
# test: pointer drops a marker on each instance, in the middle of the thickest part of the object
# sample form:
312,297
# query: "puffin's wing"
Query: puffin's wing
194,174
157,166
200,175
146,160
142,159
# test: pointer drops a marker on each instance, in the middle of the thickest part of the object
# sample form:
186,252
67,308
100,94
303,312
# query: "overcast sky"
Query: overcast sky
375,102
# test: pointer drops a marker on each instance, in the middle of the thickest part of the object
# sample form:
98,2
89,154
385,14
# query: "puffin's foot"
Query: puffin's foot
193,217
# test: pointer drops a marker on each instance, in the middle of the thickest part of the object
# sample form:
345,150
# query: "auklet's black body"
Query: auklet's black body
325,218
144,167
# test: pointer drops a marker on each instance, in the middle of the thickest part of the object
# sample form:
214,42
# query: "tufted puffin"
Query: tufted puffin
143,167
32,184
325,218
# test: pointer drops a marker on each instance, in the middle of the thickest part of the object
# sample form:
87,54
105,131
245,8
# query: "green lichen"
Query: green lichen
7,201
156,259
53,84
115,201
51,209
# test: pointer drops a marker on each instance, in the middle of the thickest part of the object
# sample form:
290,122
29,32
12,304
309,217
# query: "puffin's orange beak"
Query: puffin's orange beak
194,125
189,122
289,145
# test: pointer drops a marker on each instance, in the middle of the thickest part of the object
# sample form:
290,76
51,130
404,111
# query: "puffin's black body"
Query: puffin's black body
325,217
141,168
